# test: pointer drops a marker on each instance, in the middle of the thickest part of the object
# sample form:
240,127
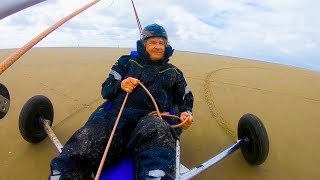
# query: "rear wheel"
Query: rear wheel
251,128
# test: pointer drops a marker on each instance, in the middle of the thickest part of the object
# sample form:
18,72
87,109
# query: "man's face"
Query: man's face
155,46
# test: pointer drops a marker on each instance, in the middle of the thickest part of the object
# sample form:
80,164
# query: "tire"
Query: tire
5,93
251,128
30,125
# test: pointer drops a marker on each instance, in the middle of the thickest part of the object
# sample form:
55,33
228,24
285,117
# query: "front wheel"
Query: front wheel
30,124
251,129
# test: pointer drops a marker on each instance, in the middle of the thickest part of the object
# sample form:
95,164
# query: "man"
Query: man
148,139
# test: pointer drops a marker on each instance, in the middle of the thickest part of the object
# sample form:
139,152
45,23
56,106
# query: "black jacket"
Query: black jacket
164,81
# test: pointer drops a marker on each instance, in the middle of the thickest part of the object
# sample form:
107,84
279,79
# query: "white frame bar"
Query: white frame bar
188,174
51,134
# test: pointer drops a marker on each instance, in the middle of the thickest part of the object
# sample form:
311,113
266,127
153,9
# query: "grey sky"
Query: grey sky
285,32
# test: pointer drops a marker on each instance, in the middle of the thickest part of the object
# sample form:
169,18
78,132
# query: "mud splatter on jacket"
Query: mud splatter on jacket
164,81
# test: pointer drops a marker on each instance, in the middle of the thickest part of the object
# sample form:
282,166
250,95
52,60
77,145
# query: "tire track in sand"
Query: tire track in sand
78,110
214,113
210,100
78,107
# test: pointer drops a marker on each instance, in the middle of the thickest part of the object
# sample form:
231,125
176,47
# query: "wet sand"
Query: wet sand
286,99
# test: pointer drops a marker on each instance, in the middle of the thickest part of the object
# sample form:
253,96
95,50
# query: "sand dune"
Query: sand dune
287,100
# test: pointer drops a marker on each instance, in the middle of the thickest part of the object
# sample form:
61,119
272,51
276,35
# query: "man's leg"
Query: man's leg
153,145
82,153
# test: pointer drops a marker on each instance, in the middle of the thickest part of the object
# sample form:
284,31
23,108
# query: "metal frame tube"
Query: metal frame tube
51,134
177,158
197,170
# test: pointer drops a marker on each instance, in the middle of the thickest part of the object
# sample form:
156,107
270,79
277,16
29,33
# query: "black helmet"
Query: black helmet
153,30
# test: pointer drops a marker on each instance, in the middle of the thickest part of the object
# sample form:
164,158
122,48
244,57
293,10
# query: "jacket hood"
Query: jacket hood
143,54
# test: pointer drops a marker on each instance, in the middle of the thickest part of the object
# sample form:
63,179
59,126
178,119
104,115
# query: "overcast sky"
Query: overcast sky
279,31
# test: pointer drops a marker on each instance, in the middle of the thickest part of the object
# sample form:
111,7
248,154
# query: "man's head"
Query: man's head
155,40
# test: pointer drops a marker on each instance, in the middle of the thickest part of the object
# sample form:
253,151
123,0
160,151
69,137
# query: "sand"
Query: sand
286,99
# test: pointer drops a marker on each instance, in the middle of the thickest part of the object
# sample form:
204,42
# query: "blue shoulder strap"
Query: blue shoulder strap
108,106
134,53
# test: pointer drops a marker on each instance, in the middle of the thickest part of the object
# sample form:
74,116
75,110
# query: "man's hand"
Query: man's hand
186,116
129,84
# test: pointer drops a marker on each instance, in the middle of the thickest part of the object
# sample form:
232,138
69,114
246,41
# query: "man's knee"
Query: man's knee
151,122
152,132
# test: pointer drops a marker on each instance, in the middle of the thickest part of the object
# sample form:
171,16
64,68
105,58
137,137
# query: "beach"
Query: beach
285,98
